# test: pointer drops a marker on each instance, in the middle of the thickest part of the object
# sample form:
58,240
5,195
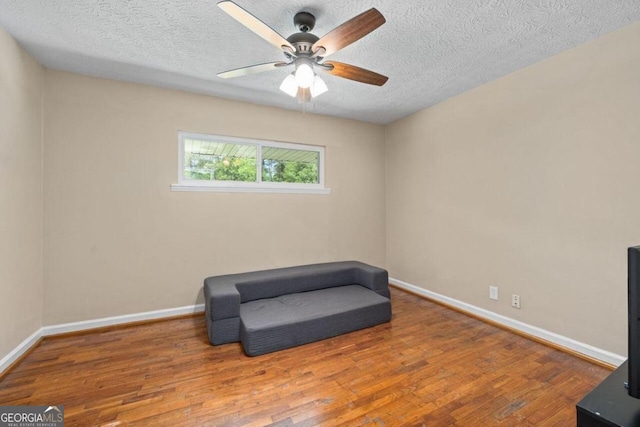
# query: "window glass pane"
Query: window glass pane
219,161
289,165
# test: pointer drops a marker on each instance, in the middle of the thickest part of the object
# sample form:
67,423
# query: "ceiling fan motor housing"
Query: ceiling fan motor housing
302,42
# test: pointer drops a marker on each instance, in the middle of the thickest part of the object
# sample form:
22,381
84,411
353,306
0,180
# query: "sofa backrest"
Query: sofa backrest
274,283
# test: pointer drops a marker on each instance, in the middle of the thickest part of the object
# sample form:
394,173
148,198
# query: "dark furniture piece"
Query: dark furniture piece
272,310
609,404
633,313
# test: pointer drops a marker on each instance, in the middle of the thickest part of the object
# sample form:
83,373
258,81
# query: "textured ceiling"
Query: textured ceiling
430,50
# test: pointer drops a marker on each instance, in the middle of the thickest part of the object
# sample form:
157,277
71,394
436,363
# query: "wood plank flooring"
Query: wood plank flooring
430,366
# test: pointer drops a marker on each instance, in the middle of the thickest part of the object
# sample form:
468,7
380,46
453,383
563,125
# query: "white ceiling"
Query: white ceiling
430,50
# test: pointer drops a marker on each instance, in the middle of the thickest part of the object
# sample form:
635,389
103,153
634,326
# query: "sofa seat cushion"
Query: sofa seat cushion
273,324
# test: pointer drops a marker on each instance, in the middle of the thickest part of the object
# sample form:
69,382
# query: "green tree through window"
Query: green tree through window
227,161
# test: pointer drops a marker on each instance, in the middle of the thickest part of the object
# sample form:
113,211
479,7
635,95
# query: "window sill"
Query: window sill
230,189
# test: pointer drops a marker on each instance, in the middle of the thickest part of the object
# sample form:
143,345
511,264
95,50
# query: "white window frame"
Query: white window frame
185,184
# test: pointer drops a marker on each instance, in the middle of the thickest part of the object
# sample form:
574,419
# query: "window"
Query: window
223,163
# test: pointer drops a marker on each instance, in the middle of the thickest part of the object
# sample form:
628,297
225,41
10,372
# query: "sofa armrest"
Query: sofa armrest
221,296
374,278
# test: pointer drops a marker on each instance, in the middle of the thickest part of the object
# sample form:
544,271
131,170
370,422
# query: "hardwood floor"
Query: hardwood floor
430,366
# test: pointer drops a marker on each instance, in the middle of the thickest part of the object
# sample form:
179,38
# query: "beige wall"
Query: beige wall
118,241
530,183
20,195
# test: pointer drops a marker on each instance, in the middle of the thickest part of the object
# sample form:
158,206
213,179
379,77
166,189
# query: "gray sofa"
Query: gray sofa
272,310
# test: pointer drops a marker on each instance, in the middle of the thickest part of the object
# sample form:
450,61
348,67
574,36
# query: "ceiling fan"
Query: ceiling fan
306,52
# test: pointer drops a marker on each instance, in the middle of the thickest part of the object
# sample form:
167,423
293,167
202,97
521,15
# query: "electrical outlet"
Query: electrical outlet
493,292
515,301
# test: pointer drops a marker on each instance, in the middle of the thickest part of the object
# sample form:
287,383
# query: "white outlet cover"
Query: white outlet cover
515,301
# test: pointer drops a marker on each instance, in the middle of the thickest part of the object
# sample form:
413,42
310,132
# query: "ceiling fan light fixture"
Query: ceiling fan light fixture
304,72
318,87
289,85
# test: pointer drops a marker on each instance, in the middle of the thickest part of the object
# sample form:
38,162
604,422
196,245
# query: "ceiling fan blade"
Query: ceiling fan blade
252,69
352,72
254,24
349,32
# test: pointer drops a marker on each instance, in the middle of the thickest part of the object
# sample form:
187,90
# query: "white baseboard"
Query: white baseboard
117,320
21,349
559,340
17,352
